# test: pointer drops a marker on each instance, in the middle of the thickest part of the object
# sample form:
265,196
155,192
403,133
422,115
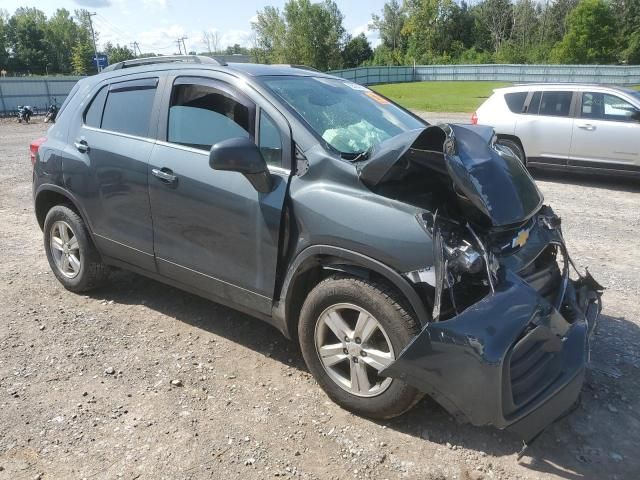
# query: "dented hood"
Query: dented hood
490,178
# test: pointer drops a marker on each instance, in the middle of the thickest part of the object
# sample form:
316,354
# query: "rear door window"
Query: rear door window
202,115
515,101
128,107
555,104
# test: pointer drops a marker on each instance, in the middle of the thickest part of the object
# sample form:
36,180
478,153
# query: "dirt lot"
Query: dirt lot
247,407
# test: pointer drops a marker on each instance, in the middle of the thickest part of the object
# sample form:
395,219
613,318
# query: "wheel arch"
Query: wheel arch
48,196
316,263
516,139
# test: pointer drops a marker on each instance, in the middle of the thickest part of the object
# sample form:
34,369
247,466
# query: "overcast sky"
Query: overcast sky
155,24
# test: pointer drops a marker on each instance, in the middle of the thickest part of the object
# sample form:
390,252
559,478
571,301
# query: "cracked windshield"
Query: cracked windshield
349,117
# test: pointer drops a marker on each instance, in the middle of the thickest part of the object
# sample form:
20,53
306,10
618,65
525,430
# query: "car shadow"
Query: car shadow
579,446
582,179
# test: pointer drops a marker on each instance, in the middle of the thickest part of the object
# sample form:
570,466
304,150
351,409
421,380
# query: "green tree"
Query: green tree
81,56
236,49
83,51
390,25
631,53
431,30
26,39
591,35
496,18
357,51
553,20
61,35
627,13
4,44
304,33
116,53
270,31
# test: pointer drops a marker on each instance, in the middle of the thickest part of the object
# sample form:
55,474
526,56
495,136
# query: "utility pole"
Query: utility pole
135,47
179,46
185,47
93,36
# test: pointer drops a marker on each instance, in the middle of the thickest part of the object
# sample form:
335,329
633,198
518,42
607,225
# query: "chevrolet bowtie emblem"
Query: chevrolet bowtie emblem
521,239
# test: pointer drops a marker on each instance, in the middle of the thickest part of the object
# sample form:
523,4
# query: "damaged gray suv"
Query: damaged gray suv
407,259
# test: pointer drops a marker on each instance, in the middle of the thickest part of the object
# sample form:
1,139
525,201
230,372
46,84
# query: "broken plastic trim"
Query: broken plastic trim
485,256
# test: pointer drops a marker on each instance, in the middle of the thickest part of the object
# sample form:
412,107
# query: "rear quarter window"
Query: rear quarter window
93,115
515,101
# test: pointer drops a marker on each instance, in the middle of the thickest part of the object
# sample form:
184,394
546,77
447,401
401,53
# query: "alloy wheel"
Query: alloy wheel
65,249
353,348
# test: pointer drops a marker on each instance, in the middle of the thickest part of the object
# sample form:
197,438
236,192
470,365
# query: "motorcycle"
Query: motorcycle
24,113
51,114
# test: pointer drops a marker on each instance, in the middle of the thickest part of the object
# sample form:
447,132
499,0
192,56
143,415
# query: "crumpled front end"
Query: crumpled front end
516,357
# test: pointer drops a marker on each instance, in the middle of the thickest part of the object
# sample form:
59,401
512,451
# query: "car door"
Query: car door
212,229
545,127
105,167
606,133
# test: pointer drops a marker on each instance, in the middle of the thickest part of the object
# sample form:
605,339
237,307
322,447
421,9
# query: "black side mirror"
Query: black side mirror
242,155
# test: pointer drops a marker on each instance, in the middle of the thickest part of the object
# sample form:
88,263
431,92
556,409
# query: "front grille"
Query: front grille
534,365
501,241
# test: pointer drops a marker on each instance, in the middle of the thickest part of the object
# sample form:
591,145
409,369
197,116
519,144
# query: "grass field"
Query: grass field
442,96
456,96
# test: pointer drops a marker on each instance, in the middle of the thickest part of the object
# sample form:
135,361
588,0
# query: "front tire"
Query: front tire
350,329
72,256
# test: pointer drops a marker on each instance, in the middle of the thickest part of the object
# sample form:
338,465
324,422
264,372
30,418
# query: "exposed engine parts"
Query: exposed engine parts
463,258
463,267
466,261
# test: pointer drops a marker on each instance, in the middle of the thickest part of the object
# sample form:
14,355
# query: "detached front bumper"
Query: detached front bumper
511,360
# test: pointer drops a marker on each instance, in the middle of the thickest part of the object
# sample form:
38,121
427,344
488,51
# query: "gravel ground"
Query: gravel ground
140,380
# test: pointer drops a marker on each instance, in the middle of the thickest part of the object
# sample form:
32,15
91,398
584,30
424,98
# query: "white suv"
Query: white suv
591,128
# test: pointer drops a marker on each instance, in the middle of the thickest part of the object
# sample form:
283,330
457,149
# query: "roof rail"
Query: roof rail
163,59
301,67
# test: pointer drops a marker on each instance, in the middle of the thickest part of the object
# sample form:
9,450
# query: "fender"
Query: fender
306,259
49,187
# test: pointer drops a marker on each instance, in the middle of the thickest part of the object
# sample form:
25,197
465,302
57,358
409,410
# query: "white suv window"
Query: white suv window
603,106
555,104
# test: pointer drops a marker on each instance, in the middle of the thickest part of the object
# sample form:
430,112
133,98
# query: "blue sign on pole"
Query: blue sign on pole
101,61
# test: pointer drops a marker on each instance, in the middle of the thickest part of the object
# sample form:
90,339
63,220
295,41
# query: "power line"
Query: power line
135,46
93,35
181,45
112,27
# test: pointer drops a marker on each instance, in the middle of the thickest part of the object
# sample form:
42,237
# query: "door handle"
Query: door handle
81,145
164,174
586,126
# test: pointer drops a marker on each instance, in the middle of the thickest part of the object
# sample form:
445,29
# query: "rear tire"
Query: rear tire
515,147
72,256
367,309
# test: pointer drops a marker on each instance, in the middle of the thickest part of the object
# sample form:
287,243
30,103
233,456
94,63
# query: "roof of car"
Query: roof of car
560,86
154,64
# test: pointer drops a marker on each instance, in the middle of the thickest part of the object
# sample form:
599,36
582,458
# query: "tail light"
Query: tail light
474,118
35,145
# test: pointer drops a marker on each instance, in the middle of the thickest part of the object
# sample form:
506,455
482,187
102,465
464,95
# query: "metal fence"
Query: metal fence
39,92
36,92
619,75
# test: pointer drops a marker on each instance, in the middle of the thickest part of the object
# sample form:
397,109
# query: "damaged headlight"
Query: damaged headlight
463,258
462,268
